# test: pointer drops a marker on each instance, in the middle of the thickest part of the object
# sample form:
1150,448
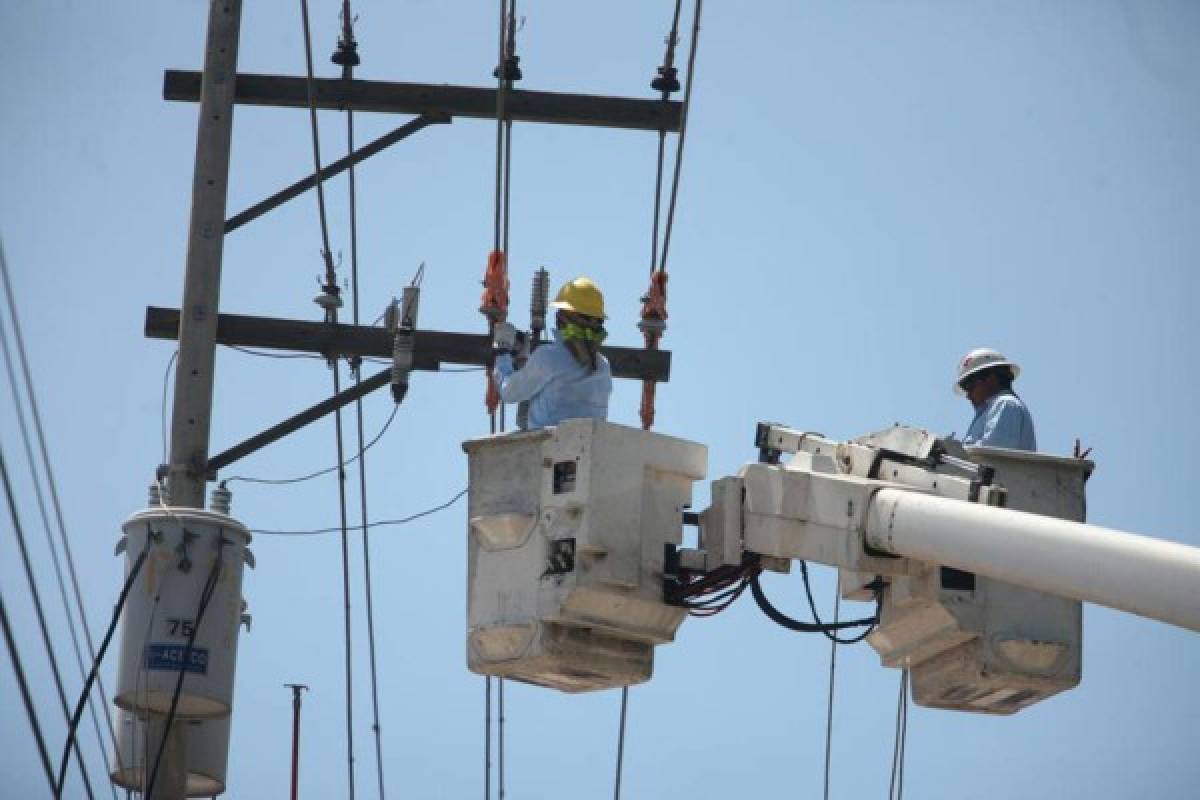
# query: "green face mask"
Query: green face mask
578,333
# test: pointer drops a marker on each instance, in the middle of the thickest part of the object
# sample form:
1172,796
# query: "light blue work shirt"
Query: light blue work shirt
1002,421
556,385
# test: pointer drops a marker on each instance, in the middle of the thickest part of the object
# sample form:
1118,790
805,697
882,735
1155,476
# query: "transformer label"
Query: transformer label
170,657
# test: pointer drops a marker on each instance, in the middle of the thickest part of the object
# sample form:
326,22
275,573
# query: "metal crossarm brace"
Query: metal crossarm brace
297,421
342,164
431,348
520,105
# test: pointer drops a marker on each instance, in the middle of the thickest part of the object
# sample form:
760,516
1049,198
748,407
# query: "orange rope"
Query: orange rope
653,325
494,305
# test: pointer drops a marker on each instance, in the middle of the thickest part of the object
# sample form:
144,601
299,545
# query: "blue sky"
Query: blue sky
870,190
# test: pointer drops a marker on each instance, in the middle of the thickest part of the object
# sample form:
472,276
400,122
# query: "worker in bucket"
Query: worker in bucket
568,378
985,377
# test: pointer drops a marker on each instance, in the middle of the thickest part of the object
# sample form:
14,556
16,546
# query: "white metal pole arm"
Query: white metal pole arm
1149,577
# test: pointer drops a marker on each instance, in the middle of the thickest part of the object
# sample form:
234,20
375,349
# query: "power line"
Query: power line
833,643
507,71
687,100
500,738
347,55
39,430
41,614
163,416
669,84
87,684
30,712
487,737
263,354
22,425
330,304
621,743
896,785
377,524
356,457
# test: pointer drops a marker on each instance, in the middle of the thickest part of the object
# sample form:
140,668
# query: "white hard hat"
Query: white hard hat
977,361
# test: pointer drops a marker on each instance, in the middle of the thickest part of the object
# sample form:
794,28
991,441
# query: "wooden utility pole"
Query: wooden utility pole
192,411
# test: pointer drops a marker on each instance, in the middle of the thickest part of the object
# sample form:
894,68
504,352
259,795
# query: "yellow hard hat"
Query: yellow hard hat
581,296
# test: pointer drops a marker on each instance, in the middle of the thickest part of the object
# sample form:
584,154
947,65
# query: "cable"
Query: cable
263,354
506,72
621,743
206,593
377,524
687,100
316,143
330,289
874,621
23,426
319,473
487,737
163,416
833,643
500,738
782,619
896,785
30,712
41,614
345,531
50,480
87,684
669,83
347,56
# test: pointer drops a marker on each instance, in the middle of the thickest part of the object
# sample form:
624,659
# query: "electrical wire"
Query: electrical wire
507,48
356,457
377,524
87,684
687,101
263,354
310,83
621,743
711,592
41,614
668,66
500,738
165,392
345,530
206,593
23,426
896,785
48,470
833,643
487,737
330,288
347,48
30,712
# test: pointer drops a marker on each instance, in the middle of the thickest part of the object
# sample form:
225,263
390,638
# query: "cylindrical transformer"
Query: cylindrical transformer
189,590
205,742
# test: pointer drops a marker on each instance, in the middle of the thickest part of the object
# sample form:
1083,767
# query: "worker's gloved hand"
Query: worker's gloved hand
504,337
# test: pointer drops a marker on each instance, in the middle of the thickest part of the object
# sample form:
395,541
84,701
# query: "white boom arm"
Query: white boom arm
1149,577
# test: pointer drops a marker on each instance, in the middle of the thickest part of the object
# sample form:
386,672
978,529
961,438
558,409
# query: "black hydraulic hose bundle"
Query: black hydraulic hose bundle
784,620
829,634
709,593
